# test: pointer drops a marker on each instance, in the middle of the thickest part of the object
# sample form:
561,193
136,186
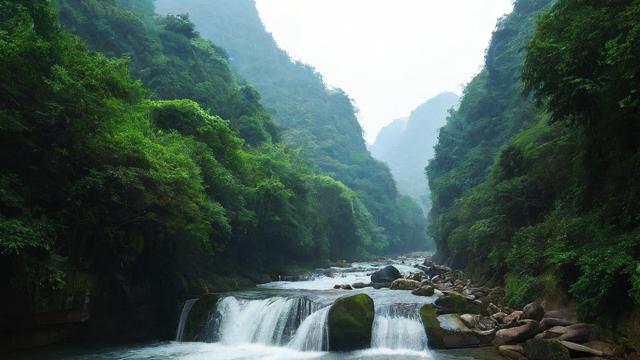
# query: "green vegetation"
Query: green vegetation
350,323
119,196
543,194
318,120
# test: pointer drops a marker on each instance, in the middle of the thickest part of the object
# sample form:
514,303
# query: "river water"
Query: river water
288,320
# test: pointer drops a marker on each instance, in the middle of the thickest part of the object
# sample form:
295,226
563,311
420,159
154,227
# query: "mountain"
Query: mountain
534,180
319,120
406,146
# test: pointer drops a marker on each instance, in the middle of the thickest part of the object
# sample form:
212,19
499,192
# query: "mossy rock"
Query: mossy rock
454,303
540,349
424,291
439,337
435,334
350,323
198,318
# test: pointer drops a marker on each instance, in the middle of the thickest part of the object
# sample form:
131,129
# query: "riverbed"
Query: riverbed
287,320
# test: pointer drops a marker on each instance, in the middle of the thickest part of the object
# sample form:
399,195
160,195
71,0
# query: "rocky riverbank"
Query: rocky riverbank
469,315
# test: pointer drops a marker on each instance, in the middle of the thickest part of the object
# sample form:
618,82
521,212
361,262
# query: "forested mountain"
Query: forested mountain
407,146
319,120
118,197
543,195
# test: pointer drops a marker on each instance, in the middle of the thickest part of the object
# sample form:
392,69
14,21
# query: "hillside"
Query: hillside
319,120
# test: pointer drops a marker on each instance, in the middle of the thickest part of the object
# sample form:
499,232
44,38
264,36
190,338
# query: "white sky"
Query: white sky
388,55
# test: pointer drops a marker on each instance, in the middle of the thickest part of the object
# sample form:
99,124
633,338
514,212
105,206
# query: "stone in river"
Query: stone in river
350,323
385,275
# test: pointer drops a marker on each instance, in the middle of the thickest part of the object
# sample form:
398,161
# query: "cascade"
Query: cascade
313,333
271,321
398,327
184,314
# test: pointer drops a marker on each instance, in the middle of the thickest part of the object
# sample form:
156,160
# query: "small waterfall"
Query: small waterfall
184,314
271,321
313,333
398,327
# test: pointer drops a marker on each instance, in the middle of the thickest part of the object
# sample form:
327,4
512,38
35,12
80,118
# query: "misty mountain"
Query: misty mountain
318,120
406,145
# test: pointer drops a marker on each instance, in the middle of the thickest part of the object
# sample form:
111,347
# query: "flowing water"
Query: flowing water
288,320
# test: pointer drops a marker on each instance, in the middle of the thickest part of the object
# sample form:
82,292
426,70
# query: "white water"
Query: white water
184,314
397,328
271,321
313,333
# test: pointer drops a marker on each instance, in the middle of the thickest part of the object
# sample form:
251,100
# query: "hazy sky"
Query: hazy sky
388,55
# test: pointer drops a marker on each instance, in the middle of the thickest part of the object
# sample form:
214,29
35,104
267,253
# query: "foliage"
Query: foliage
522,192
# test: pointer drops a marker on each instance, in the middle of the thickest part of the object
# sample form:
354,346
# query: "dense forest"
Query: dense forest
534,181
406,146
318,120
138,168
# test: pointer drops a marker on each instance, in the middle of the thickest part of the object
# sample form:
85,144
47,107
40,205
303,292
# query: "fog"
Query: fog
388,55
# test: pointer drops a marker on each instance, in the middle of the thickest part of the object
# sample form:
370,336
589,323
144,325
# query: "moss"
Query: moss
350,323
432,328
539,349
457,304
424,291
198,319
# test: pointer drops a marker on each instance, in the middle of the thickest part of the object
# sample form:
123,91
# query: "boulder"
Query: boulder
513,318
425,290
533,311
539,349
360,285
404,284
578,350
515,352
607,348
385,275
516,334
580,333
343,287
417,276
448,331
350,322
548,323
380,285
198,318
455,303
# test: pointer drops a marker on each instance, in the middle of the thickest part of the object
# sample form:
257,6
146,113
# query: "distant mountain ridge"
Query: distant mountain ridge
406,145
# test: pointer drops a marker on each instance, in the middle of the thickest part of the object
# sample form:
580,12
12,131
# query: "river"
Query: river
287,320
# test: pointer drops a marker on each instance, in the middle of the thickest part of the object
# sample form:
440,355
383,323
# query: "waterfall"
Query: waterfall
271,321
313,333
184,314
398,327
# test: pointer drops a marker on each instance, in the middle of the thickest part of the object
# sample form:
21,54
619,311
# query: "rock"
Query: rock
539,349
424,291
360,285
515,352
350,322
516,334
565,314
470,320
342,287
607,349
198,318
548,323
533,311
455,303
436,270
404,284
579,333
417,276
580,350
553,333
385,275
380,285
499,317
446,332
513,318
